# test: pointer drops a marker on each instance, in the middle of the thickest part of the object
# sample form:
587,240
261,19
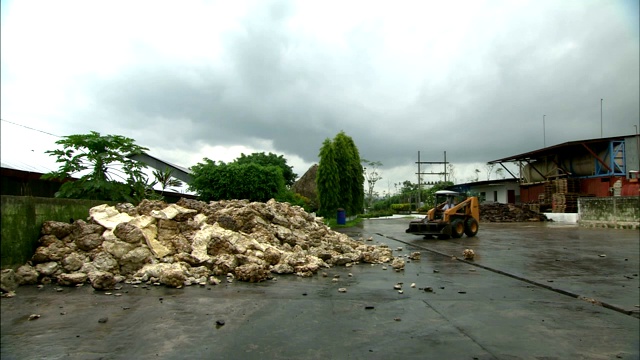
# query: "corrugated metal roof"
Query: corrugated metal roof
22,166
553,149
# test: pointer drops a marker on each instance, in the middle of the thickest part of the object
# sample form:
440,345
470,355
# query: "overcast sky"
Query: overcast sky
195,79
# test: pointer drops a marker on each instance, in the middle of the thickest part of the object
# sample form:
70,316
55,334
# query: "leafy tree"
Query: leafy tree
451,169
429,195
489,168
270,160
107,173
250,181
328,179
340,176
372,176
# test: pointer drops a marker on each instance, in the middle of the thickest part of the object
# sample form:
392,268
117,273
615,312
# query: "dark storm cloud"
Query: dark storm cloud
274,84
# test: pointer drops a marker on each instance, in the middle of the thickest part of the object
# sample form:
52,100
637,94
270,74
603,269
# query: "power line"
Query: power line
30,128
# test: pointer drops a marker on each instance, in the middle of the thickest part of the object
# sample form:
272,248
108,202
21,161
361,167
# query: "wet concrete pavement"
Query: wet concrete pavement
516,300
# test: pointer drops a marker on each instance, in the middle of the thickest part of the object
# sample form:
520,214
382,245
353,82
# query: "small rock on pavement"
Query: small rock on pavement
9,294
468,254
342,290
34,316
103,320
103,280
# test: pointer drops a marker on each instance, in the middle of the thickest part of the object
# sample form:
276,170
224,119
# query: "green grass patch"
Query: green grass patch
333,223
376,214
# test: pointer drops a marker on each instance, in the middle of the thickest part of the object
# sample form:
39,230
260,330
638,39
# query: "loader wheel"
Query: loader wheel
457,228
471,227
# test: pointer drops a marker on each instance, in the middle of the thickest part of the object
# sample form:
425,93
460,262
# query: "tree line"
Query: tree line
103,170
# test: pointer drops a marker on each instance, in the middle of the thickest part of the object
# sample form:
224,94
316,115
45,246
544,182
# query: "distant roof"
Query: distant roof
447,192
553,149
179,172
22,166
486,182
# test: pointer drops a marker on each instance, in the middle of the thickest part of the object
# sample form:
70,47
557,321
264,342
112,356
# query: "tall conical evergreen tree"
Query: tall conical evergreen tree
344,155
340,178
356,176
328,180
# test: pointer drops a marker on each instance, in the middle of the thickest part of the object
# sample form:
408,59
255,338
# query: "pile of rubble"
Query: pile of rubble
497,212
191,242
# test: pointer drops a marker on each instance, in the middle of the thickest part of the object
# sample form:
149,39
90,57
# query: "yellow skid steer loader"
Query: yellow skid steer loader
454,215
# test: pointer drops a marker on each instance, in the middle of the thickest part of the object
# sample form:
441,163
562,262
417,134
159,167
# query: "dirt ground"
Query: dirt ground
533,291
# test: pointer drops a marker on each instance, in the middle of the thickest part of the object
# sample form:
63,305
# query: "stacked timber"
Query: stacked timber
565,198
497,212
549,189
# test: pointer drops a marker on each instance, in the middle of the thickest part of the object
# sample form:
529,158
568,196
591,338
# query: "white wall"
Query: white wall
501,190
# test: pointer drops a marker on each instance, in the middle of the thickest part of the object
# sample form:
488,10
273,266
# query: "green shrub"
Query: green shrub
376,214
398,208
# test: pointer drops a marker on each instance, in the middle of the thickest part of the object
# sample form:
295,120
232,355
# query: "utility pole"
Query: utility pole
544,133
601,118
419,173
445,166
419,184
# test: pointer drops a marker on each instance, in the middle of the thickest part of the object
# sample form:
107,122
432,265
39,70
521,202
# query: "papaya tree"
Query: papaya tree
105,172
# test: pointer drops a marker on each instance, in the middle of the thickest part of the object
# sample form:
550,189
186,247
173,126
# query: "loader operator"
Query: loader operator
449,204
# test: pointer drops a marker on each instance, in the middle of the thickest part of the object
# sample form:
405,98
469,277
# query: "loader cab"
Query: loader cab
446,199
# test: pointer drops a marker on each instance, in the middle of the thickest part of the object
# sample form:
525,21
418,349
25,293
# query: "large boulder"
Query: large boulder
108,216
134,260
58,229
48,268
74,261
172,211
87,235
8,281
252,272
103,261
72,279
27,275
129,233
117,248
101,280
173,276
